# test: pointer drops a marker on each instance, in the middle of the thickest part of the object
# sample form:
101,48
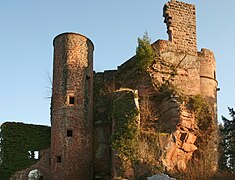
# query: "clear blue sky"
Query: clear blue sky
28,27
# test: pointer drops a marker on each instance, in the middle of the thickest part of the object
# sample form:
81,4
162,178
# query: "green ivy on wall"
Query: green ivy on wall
125,115
17,140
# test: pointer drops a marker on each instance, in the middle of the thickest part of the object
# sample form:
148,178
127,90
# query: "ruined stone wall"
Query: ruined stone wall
180,19
43,165
189,73
167,127
104,86
186,69
180,52
164,122
129,76
72,108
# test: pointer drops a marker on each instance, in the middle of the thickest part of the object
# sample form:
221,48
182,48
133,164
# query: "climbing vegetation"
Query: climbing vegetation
204,158
125,136
18,143
202,110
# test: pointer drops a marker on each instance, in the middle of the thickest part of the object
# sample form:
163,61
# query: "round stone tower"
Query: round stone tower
209,85
208,81
72,108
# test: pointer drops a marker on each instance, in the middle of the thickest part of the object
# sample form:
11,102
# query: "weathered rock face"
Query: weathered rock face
181,146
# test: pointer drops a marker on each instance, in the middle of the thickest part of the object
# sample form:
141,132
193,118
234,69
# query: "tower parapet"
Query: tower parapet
72,108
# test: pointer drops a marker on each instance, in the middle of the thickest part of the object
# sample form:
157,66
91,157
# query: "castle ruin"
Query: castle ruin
90,109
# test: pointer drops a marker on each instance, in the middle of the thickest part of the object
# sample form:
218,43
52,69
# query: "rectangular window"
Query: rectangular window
69,133
71,100
36,154
58,159
30,154
183,137
88,77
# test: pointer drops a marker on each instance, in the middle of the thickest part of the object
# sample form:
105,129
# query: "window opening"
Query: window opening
58,159
71,100
30,154
69,133
183,137
36,154
88,77
33,154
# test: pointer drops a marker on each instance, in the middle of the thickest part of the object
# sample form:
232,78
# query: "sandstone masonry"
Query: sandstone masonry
72,108
83,102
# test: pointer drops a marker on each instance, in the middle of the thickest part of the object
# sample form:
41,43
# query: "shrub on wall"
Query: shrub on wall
18,143
145,53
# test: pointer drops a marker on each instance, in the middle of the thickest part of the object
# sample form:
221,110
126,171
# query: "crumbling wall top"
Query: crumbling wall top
180,19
